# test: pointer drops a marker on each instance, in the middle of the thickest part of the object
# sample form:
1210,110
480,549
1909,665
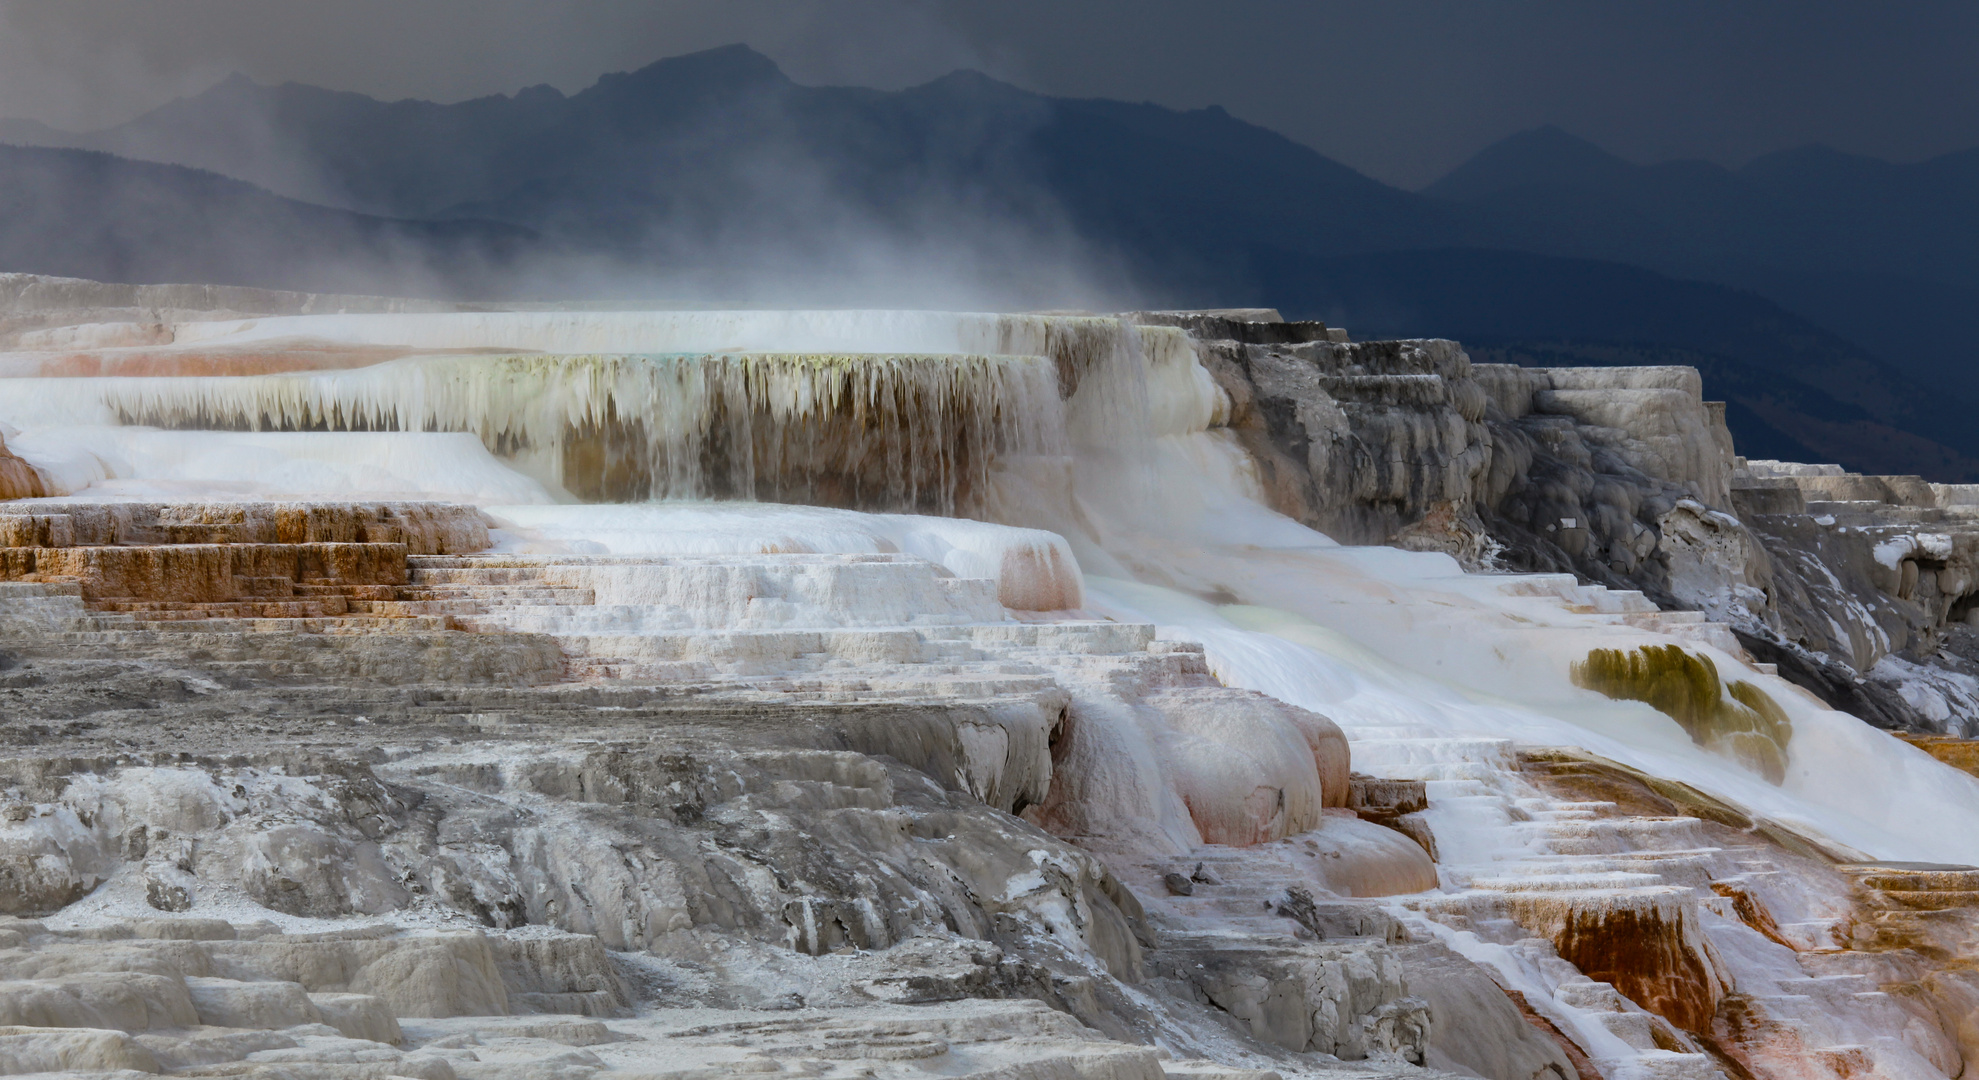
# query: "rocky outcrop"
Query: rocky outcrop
1408,442
1611,473
1339,999
1858,588
622,787
206,997
1359,440
1497,1039
1875,579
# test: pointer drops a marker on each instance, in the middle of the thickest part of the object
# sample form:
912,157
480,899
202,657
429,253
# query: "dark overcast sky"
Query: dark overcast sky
1401,89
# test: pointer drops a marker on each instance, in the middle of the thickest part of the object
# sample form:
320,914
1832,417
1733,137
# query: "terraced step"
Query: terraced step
1924,906
509,594
337,624
1602,601
270,587
1898,877
399,609
322,607
1560,882
1433,759
473,576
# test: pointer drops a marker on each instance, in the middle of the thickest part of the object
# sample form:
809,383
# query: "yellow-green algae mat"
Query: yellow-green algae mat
1735,719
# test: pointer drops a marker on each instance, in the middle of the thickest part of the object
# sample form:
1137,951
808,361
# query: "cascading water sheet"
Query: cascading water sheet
1070,339
910,432
1088,427
1034,570
145,464
1392,642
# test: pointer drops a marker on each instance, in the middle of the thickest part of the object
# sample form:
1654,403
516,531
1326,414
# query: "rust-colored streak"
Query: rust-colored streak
1582,1064
201,573
1752,912
18,479
904,453
1645,958
1738,1027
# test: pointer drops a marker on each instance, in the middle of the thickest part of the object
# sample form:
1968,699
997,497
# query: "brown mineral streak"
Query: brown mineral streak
1752,912
1645,957
18,479
1583,1064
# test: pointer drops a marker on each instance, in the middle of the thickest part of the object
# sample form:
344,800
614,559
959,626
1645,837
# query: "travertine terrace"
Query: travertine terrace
391,690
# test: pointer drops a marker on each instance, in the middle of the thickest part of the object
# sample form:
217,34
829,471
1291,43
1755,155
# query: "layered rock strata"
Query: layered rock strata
1408,442
1857,587
1877,577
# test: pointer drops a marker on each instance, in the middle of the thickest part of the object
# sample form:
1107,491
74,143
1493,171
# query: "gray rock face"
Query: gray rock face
581,853
1609,457
1859,588
1407,442
1344,999
1359,440
1493,1040
1873,581
634,843
176,995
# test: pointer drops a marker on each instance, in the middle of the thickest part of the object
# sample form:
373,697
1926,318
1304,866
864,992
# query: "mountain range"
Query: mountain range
1818,292
1883,253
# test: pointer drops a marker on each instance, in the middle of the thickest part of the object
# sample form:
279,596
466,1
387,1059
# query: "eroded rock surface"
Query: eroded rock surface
1857,587
423,810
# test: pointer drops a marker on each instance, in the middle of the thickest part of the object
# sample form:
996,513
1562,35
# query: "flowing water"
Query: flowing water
1098,440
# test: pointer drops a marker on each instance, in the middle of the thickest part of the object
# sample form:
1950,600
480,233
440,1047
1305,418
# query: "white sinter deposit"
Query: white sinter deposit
999,503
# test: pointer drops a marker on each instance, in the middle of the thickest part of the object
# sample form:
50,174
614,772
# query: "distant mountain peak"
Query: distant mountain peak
1541,155
968,88
539,92
1800,164
234,85
969,77
722,67
33,133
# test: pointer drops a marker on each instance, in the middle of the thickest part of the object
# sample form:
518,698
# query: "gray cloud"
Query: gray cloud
1401,89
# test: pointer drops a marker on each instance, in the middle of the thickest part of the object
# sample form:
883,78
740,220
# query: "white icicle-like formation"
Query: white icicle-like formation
882,432
1102,432
923,411
1077,341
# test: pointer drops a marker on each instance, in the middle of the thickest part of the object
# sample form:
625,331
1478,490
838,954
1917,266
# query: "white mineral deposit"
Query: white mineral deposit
871,693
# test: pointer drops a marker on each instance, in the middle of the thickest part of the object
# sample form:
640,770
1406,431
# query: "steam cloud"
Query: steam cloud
710,179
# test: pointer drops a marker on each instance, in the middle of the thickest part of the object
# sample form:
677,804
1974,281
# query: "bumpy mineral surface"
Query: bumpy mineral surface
1048,740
